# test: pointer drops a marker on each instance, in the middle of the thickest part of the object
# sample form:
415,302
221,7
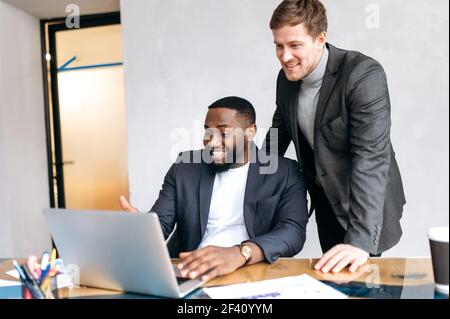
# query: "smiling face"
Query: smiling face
226,137
299,53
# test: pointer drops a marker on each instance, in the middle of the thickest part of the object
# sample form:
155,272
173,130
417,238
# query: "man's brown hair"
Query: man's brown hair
311,13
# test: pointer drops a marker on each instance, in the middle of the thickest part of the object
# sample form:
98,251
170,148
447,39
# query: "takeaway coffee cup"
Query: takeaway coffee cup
438,237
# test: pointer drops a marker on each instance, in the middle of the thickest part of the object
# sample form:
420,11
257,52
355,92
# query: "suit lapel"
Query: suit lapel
293,109
329,80
205,192
254,180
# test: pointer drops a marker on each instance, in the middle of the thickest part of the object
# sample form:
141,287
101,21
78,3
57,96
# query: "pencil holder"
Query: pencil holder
50,290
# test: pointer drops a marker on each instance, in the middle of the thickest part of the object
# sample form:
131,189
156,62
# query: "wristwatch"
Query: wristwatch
246,251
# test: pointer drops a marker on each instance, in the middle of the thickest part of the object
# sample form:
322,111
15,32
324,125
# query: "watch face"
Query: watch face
246,251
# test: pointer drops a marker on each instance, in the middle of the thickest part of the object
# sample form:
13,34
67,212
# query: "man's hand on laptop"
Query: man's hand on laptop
126,205
209,262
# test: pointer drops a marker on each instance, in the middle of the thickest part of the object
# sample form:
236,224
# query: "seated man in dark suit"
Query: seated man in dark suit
230,208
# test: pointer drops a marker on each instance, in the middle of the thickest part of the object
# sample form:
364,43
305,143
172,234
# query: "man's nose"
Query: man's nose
214,141
286,56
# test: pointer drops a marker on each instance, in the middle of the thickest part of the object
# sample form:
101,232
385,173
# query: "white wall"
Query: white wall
181,55
23,161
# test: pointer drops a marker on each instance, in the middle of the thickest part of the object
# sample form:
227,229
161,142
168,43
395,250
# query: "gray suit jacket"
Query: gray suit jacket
353,159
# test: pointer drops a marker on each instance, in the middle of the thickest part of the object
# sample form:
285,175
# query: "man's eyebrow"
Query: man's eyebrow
218,126
290,42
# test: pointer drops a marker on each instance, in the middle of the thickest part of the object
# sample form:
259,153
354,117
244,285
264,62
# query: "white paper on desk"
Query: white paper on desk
295,287
9,283
13,273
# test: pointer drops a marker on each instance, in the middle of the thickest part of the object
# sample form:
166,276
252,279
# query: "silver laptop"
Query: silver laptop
117,250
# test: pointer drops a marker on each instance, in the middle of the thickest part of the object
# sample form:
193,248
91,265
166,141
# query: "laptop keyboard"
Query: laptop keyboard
182,280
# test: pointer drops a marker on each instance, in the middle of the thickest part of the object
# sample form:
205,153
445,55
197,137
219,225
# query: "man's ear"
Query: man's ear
322,38
250,132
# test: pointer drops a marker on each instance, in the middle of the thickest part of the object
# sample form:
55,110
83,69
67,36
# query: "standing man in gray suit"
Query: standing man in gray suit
334,105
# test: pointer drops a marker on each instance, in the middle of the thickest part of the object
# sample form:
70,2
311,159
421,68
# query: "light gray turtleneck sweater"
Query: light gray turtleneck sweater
308,98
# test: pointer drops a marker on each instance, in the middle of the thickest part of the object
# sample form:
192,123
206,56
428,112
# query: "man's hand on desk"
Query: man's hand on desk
340,256
212,261
126,205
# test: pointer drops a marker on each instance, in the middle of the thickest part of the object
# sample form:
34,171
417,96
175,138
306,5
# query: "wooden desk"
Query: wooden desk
401,277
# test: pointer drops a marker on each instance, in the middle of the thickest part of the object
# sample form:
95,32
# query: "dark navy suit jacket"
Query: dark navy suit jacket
275,207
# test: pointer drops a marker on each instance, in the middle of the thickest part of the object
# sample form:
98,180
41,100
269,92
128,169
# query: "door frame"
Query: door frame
55,162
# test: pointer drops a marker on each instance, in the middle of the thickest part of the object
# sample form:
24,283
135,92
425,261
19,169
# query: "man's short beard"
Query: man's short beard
230,162
219,168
